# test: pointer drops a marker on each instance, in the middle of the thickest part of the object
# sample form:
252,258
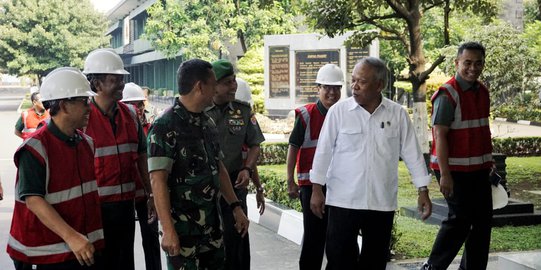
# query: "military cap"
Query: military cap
222,68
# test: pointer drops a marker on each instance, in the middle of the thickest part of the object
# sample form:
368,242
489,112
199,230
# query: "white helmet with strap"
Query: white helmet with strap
330,74
65,82
133,92
104,61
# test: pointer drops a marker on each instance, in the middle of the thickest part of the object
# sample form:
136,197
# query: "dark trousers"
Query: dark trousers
68,265
469,220
315,230
149,234
237,248
342,230
119,231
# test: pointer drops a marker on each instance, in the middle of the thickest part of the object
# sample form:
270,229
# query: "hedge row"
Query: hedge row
276,153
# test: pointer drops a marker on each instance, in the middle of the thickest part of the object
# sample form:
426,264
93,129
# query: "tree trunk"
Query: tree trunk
417,66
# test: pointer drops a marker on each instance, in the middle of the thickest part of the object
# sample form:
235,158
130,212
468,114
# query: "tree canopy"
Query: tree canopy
399,24
37,36
204,28
511,67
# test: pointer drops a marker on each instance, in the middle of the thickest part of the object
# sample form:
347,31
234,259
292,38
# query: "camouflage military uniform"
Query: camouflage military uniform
186,145
236,126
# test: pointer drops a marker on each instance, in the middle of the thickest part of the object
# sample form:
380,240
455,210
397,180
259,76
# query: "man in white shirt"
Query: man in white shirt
357,156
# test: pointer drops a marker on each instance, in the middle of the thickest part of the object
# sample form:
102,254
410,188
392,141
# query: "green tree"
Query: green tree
250,68
400,23
204,28
37,36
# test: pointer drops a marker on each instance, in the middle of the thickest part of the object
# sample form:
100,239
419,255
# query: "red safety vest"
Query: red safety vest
312,121
31,120
116,153
71,189
470,145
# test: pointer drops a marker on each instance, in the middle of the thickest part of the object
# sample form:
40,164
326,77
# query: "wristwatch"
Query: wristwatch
235,204
422,189
250,170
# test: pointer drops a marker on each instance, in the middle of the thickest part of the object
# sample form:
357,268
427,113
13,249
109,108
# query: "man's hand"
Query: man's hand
317,201
171,243
260,199
243,179
446,185
292,189
241,221
151,214
82,248
424,205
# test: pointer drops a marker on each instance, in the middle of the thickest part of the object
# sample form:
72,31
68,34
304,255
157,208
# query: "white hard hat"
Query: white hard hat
243,91
330,74
65,82
499,197
133,92
104,61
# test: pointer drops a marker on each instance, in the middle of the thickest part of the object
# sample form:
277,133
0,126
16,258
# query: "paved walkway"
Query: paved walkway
269,249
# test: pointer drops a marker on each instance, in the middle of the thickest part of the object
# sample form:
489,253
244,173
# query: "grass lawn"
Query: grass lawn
415,238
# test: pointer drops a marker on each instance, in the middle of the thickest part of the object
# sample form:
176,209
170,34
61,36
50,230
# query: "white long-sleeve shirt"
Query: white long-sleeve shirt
357,155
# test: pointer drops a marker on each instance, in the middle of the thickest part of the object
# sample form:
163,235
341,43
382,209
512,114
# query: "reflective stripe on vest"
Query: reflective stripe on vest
465,161
72,193
115,149
308,142
458,123
52,249
118,189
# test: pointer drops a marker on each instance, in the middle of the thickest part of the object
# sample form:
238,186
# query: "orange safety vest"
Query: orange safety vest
470,145
71,189
116,153
31,121
312,121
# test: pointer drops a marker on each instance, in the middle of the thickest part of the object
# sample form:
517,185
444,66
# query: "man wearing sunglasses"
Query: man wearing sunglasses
56,220
302,146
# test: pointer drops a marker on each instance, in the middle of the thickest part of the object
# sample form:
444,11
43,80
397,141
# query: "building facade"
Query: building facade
147,67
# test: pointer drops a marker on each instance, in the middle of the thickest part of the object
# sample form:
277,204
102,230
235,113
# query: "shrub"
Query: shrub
273,153
276,188
519,146
515,112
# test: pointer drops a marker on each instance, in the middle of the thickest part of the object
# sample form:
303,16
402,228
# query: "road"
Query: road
269,250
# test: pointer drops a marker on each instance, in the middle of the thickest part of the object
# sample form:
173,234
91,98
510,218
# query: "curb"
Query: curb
283,221
520,122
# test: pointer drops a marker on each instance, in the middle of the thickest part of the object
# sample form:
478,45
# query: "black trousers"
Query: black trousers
315,230
119,231
237,248
67,265
343,228
469,220
150,236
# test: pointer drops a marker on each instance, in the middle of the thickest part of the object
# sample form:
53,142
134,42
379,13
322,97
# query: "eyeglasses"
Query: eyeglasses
84,100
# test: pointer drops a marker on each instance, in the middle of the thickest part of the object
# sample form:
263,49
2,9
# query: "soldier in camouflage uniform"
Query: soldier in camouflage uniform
236,126
187,174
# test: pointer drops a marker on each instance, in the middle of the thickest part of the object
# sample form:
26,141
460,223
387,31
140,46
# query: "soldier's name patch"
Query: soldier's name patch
235,122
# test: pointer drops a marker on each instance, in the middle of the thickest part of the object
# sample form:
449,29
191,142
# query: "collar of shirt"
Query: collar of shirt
184,114
464,85
114,109
353,105
321,108
71,141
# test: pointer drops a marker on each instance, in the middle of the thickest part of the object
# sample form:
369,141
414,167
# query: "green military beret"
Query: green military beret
222,68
